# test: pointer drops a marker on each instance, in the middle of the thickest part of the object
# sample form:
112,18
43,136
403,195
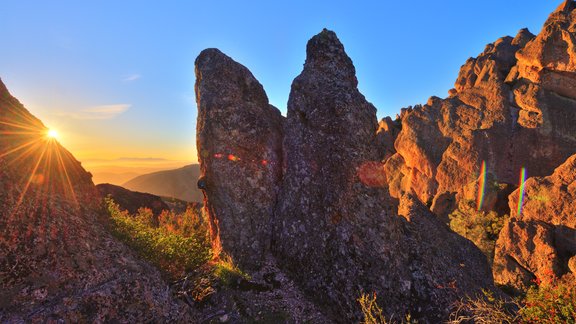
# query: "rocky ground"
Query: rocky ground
318,206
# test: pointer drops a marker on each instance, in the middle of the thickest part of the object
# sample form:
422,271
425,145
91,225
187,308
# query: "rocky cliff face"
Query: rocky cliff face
361,206
334,226
517,94
540,243
57,261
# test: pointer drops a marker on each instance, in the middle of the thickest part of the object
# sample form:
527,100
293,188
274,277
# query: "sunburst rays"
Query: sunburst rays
28,148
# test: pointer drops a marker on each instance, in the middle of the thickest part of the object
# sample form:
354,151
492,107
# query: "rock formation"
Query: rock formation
540,243
239,140
334,232
517,94
57,261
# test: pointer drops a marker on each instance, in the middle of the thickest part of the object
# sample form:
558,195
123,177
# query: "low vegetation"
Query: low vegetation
554,303
175,243
179,245
482,228
372,312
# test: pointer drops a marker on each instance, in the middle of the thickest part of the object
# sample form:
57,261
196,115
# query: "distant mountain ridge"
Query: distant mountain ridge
178,183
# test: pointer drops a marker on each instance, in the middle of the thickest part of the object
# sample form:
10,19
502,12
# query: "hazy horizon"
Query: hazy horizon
116,80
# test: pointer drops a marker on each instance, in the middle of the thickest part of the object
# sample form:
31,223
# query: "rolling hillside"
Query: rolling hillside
179,183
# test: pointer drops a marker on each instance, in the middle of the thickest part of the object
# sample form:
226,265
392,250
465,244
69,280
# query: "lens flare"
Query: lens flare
522,188
481,186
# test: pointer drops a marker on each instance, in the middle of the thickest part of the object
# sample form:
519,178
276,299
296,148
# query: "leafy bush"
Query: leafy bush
179,244
480,227
555,303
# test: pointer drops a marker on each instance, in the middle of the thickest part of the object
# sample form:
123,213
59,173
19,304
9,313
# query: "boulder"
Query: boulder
239,143
339,234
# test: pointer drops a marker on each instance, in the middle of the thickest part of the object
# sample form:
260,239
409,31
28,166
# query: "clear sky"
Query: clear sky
116,78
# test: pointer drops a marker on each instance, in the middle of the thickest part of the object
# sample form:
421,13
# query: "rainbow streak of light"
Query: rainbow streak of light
481,186
522,188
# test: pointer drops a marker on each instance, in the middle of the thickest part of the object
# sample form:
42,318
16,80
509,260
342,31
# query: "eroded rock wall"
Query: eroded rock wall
538,243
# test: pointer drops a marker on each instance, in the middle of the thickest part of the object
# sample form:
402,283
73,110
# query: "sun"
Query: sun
52,133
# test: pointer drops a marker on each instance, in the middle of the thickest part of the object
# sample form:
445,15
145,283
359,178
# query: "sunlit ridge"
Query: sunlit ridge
35,146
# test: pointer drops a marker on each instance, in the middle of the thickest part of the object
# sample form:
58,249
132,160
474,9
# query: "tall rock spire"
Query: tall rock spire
239,139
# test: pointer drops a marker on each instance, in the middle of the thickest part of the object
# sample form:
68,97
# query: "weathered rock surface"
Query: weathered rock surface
131,201
239,142
540,242
57,261
335,224
513,106
336,230
337,234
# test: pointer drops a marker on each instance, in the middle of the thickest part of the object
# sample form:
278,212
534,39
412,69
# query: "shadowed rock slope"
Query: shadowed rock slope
333,231
57,261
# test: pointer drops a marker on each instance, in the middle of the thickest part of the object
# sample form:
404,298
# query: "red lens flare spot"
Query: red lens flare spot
264,162
38,179
218,155
233,158
372,174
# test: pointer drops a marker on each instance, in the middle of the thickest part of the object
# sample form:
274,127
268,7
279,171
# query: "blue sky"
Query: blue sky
116,78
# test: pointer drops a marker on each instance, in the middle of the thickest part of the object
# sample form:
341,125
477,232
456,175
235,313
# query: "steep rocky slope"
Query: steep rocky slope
57,261
513,106
540,243
333,230
178,183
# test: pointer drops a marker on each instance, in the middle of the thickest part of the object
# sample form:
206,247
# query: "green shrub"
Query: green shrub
183,246
480,227
227,272
555,303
